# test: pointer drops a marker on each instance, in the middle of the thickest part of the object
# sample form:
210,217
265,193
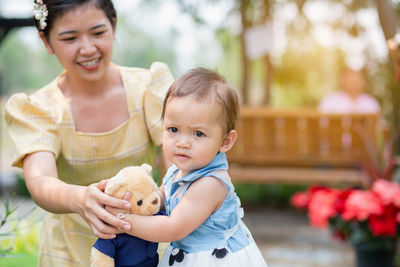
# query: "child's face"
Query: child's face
192,132
82,39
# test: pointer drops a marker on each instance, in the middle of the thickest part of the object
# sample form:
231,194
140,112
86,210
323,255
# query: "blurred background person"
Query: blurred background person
351,98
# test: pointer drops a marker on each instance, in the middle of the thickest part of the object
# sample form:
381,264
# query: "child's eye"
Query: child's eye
198,134
173,129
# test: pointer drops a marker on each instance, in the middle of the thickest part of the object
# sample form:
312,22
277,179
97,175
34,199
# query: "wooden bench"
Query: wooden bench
299,146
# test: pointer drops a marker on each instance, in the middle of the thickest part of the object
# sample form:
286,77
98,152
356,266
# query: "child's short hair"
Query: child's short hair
201,83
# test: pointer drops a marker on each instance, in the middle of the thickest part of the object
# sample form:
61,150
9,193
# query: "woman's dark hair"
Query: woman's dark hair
57,8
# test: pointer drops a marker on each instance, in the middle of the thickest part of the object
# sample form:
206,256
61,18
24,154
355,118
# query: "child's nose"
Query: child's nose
183,143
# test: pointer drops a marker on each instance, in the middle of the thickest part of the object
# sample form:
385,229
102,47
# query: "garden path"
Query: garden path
286,240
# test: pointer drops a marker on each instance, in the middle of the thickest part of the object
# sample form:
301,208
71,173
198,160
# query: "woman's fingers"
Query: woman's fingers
127,196
102,185
122,206
102,223
115,211
118,225
112,220
114,202
100,229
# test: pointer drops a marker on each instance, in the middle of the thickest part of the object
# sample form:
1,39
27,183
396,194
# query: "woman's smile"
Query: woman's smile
90,65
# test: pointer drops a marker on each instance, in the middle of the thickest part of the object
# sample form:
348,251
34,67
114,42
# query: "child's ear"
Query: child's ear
46,43
228,141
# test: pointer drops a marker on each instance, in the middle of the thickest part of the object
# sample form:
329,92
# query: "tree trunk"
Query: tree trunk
387,18
245,60
269,68
268,79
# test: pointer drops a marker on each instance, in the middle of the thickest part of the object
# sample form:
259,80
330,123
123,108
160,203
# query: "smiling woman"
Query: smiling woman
92,120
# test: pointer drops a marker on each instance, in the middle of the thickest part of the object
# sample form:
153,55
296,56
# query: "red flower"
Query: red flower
341,200
362,204
396,200
339,235
384,224
300,200
315,188
389,192
322,207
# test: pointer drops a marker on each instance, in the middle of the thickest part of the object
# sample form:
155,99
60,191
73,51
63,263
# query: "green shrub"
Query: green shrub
266,194
19,231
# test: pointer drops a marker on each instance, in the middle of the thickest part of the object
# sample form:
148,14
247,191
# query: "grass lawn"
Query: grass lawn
26,260
19,232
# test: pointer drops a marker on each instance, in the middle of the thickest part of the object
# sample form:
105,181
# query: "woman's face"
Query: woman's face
82,40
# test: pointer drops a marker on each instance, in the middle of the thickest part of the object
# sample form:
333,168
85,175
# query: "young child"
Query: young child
204,215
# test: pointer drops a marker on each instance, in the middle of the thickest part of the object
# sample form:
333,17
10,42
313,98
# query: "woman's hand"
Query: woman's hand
56,196
116,211
92,209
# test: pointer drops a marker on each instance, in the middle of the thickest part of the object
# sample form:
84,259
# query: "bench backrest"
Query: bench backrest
299,137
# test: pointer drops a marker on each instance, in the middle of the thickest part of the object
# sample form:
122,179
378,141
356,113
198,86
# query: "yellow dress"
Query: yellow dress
43,122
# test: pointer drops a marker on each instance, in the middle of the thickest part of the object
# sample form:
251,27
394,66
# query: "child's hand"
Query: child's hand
92,205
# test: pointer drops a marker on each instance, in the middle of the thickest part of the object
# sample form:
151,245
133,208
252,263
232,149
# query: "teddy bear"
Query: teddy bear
124,249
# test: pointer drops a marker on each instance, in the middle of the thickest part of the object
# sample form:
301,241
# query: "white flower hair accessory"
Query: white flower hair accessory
40,13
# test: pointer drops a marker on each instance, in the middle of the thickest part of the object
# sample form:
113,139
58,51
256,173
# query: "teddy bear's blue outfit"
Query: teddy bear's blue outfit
129,251
223,239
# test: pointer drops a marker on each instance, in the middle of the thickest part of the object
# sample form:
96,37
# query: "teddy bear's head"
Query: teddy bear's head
136,179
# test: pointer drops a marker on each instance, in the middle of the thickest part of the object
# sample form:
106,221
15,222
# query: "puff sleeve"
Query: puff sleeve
160,80
32,126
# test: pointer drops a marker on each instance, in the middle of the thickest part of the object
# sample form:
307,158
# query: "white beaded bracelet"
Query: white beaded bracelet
121,216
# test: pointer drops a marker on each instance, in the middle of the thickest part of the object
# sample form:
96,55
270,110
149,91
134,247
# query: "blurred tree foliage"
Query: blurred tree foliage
134,47
22,67
297,75
305,70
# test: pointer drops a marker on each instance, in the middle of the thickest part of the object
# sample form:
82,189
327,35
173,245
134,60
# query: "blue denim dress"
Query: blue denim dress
221,240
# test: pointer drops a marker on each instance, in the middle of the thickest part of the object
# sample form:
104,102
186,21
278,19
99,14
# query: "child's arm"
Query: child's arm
161,193
202,198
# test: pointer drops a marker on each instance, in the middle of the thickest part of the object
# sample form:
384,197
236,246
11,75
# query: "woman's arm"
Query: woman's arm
202,198
56,196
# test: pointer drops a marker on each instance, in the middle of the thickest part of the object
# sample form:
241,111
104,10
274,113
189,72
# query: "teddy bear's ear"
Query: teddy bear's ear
147,167
115,182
